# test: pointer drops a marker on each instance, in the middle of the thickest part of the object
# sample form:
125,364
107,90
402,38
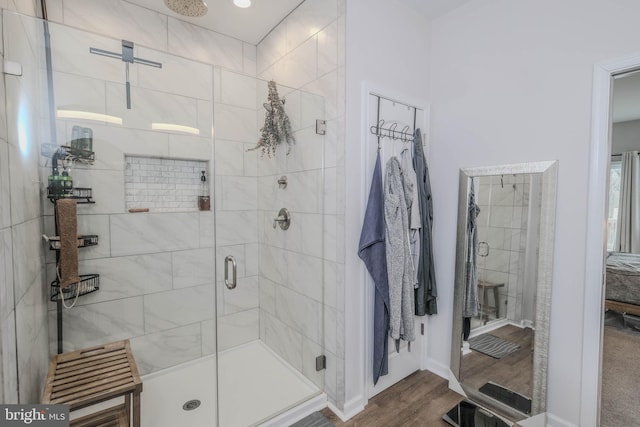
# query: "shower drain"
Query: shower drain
191,405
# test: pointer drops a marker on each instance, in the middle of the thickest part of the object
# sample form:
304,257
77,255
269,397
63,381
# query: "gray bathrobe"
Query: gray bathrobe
399,263
372,252
426,292
470,308
415,222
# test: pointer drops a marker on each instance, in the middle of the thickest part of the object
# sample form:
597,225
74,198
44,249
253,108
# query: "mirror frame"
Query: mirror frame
549,171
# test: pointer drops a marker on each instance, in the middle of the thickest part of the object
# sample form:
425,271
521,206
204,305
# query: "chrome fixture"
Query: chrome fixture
231,284
483,249
193,8
283,219
127,57
282,182
191,405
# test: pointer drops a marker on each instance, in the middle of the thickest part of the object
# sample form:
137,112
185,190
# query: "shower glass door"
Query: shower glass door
507,249
269,272
135,174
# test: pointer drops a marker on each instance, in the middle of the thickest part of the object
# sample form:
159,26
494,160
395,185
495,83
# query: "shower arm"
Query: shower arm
127,57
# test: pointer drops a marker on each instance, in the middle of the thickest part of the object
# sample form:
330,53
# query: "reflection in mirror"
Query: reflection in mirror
503,279
621,332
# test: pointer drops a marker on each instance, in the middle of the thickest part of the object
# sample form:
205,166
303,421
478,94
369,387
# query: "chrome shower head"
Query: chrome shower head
187,7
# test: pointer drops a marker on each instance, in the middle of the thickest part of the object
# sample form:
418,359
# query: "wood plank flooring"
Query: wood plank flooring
514,371
423,397
419,400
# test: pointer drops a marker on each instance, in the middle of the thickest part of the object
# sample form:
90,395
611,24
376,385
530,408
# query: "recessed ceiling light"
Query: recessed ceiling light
242,3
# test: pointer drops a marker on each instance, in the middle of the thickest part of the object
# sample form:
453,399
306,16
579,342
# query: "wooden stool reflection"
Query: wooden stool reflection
485,288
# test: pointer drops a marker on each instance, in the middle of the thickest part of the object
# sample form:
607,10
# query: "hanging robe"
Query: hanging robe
426,292
415,223
399,263
470,306
371,250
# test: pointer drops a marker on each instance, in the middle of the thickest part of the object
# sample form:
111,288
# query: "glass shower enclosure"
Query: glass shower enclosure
187,254
508,225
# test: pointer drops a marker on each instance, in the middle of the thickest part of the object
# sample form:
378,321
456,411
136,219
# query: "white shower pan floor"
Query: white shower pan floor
255,384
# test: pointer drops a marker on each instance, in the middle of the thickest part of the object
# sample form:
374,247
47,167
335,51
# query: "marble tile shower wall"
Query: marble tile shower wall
156,269
23,333
306,51
291,264
503,201
516,296
164,185
124,20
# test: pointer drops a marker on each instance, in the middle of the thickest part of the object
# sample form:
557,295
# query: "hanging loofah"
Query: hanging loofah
277,127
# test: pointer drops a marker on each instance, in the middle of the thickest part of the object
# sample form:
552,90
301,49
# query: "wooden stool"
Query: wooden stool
86,377
486,287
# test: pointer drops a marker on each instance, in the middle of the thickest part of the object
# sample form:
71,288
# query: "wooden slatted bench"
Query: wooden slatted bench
87,377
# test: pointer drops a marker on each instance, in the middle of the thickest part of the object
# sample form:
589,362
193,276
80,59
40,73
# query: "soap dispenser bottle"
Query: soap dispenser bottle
204,202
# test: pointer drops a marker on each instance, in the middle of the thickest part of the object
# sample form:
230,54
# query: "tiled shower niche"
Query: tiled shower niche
164,184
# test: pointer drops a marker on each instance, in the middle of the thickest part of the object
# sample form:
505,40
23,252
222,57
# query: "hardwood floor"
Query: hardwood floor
514,371
419,400
422,398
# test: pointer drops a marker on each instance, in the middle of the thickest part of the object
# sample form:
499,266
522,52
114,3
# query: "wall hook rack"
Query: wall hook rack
390,130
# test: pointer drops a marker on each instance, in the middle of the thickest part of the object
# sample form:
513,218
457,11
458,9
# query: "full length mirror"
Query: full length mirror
506,218
621,318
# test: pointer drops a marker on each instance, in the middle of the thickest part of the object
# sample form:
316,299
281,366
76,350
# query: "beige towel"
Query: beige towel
67,223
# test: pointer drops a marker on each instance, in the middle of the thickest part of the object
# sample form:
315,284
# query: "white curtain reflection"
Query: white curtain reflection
628,227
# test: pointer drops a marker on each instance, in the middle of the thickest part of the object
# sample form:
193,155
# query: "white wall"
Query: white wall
512,82
387,44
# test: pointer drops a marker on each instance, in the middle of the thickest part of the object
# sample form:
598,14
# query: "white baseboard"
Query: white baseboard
555,421
437,368
351,408
539,420
455,385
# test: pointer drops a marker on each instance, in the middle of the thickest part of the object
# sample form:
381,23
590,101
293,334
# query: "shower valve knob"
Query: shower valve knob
283,219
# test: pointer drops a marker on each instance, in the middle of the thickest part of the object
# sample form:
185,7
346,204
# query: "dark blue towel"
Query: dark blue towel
372,251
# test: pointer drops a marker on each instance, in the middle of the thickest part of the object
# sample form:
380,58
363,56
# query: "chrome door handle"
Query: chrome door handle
231,284
483,249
